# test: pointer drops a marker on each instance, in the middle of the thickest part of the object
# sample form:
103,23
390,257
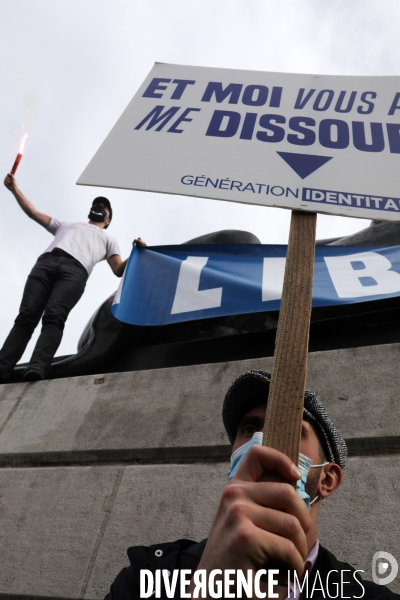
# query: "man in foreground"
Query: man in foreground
262,524
57,281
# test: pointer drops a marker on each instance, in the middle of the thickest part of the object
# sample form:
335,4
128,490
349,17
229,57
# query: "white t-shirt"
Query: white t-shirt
87,243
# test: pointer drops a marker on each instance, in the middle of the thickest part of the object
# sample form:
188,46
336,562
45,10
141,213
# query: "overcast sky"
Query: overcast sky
70,67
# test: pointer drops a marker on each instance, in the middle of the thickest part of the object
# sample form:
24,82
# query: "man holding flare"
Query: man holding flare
57,281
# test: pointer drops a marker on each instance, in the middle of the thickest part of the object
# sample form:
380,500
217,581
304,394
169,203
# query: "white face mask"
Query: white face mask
305,464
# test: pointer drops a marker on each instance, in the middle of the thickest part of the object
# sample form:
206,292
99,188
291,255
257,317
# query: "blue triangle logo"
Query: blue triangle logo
304,164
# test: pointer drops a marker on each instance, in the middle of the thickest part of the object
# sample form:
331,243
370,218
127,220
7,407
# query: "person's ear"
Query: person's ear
330,479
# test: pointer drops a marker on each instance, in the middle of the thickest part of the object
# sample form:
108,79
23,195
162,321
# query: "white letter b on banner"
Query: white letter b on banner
188,297
346,279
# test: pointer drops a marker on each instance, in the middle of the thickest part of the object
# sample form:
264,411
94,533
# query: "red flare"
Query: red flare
22,144
19,155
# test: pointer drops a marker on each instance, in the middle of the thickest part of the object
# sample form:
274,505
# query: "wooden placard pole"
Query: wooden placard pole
282,429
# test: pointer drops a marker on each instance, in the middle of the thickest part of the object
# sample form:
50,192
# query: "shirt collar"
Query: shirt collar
312,557
308,566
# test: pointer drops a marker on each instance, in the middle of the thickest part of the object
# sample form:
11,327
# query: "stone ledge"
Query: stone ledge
181,407
358,447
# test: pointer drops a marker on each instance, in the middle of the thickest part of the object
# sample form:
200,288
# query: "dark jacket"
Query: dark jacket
185,554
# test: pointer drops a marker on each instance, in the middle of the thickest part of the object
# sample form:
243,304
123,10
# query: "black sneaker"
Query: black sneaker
32,375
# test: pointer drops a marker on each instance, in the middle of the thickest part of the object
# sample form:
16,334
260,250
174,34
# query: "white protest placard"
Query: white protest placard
318,143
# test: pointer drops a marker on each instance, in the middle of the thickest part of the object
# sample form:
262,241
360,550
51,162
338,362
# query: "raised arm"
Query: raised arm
117,264
24,203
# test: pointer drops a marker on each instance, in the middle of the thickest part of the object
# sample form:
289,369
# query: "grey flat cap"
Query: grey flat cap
245,392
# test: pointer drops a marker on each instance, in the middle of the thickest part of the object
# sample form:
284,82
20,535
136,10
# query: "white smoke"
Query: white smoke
30,108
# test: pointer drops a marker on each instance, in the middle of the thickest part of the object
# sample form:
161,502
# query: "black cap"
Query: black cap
105,201
244,394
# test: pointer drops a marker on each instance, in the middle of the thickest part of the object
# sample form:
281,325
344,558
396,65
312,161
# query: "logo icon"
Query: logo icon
384,568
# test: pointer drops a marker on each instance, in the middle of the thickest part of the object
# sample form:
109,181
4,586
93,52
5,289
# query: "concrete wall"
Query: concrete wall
92,465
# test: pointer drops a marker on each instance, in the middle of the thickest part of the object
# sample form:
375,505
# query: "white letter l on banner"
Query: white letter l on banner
188,297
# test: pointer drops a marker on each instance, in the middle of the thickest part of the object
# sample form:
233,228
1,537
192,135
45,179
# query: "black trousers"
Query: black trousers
54,286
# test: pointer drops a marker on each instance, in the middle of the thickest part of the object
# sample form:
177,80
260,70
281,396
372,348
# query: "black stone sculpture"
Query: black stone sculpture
379,233
108,345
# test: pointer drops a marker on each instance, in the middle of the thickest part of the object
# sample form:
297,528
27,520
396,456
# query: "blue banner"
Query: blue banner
171,284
